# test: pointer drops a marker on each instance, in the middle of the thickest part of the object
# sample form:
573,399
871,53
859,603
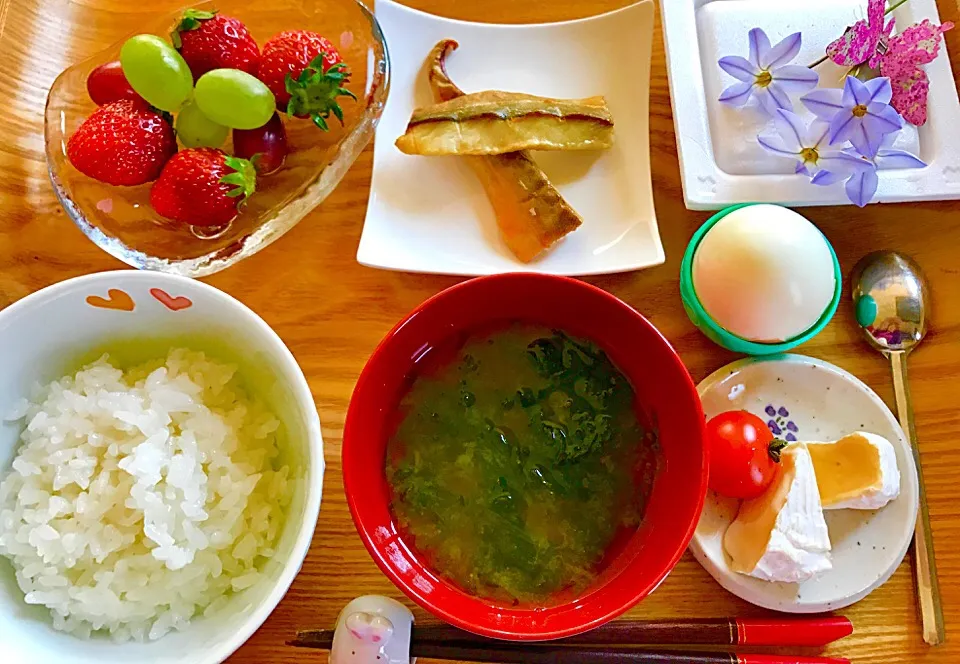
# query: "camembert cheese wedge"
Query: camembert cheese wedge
857,472
781,535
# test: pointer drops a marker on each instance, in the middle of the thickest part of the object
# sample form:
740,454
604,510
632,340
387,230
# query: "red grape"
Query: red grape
107,83
265,146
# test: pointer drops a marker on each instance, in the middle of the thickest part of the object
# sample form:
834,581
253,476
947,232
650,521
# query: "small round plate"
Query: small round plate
802,398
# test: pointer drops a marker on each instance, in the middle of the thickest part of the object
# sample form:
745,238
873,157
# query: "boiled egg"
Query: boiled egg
764,273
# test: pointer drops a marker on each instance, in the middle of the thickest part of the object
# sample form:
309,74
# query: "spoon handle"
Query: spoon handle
928,588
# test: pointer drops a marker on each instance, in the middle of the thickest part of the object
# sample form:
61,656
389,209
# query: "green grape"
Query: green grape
235,98
196,130
156,71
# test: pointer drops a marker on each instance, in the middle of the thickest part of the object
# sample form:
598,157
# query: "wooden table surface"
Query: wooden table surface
332,312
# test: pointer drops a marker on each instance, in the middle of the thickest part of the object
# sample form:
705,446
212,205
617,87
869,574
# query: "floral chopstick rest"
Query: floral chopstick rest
844,135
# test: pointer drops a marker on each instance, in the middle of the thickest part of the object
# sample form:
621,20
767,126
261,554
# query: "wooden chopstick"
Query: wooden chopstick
721,632
562,655
521,654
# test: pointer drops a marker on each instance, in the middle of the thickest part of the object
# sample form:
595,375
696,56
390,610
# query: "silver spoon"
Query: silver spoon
892,305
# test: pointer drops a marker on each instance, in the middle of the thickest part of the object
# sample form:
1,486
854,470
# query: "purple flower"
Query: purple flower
860,113
862,187
861,182
766,74
779,424
808,145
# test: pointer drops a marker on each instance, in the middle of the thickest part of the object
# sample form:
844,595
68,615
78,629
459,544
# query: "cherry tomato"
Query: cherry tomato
107,83
744,455
265,146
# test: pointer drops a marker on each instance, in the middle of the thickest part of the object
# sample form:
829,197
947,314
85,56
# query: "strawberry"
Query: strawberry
208,40
306,74
203,187
124,142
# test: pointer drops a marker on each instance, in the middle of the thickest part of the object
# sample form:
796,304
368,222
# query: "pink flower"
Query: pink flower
860,42
917,45
898,57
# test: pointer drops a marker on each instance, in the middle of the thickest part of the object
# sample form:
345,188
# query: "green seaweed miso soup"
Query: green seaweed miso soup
519,464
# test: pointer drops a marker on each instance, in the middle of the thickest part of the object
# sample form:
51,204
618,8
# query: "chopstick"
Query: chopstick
562,655
722,632
578,655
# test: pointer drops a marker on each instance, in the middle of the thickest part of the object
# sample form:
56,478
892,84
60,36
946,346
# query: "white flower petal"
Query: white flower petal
766,100
855,93
862,145
844,162
780,97
775,144
882,118
888,140
737,94
782,53
880,90
897,159
862,187
816,134
824,103
759,45
791,130
795,79
825,178
844,125
738,67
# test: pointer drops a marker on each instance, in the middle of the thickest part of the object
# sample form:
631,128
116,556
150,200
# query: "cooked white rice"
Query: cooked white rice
141,498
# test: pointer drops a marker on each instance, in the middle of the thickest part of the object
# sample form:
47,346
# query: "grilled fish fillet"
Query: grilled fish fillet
530,212
495,122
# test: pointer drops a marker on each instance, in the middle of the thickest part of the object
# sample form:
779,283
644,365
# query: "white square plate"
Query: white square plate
720,160
430,214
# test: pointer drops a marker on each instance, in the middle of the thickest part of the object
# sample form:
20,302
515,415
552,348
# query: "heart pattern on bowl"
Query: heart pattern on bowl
172,303
116,299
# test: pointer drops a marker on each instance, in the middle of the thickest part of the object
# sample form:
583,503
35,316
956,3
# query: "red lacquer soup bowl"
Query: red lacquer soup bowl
666,396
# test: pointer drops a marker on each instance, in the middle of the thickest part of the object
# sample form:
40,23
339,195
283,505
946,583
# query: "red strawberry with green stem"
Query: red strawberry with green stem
208,40
122,143
203,187
306,74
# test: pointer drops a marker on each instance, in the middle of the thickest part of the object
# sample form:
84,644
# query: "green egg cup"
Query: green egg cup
699,317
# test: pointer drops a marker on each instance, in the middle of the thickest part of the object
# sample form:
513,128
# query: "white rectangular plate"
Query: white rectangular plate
719,156
430,214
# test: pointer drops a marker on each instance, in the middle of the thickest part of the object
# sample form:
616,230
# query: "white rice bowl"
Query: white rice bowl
140,499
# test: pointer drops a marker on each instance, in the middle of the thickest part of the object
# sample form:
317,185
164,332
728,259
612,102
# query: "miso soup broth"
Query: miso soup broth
518,463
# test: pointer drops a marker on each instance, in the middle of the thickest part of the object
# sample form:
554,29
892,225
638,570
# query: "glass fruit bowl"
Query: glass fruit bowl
121,221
